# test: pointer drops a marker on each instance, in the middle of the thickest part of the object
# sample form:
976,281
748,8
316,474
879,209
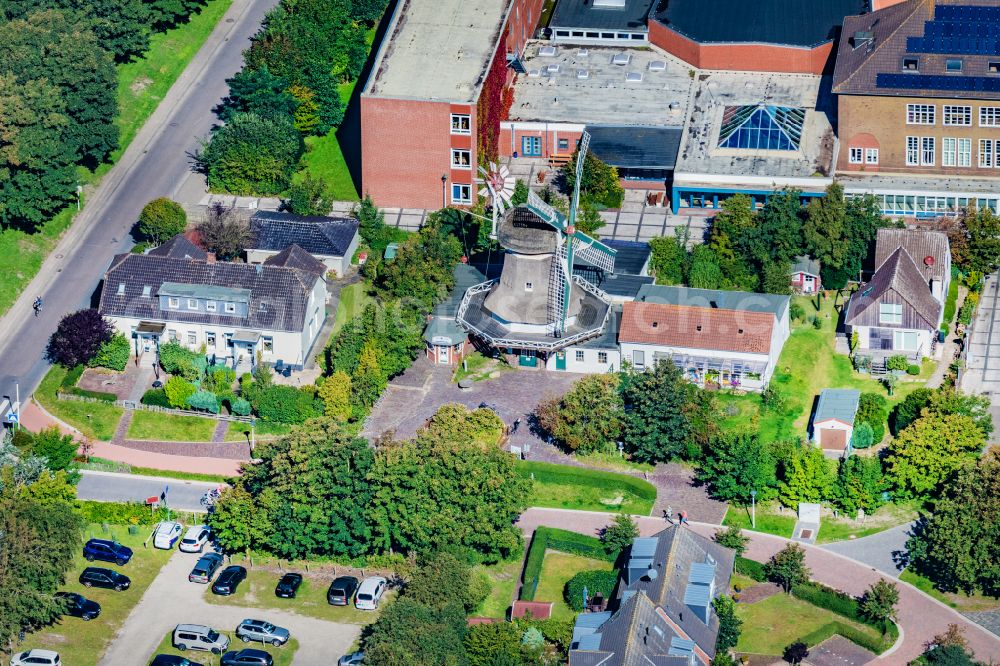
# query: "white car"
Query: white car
195,539
166,535
36,658
370,592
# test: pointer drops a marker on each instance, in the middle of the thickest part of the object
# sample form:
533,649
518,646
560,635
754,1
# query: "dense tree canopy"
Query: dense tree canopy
252,154
162,219
922,456
736,464
588,417
78,338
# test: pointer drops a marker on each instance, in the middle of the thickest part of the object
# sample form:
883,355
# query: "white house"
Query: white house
833,422
230,310
332,240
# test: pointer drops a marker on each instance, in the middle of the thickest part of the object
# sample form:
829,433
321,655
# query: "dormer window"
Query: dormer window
192,304
172,302
698,328
993,67
230,308
953,65
146,291
121,288
910,64
529,286
210,306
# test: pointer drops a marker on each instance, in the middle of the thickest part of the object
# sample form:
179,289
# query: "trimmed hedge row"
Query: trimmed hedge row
751,568
579,476
565,542
878,646
123,513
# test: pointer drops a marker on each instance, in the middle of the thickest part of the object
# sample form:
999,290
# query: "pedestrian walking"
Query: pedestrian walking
668,514
684,517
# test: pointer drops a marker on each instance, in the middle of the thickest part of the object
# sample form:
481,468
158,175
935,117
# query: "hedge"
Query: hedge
563,541
837,602
122,513
595,582
68,385
751,569
156,397
72,377
579,476
878,646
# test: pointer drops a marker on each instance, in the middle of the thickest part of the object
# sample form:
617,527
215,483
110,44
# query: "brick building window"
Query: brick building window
985,153
856,156
965,152
989,116
461,123
948,152
920,114
461,194
927,150
461,159
912,151
871,155
956,115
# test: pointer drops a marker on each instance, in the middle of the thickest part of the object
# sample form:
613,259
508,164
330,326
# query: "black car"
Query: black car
342,590
106,578
247,657
288,586
170,660
229,580
107,551
79,606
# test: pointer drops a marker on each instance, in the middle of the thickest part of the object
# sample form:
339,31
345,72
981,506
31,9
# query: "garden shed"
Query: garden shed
833,422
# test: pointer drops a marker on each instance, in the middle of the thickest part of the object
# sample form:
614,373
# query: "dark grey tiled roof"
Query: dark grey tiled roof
919,244
294,256
615,284
179,247
322,236
805,264
715,298
897,280
278,296
631,257
583,14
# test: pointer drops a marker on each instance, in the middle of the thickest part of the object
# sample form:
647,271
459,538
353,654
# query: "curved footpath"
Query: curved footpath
920,616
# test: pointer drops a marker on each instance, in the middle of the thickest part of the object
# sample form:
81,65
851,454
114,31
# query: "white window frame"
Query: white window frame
192,303
890,313
602,357
871,155
580,357
464,191
457,122
949,151
267,344
855,155
899,339
921,114
174,303
985,153
210,306
965,153
989,116
956,115
230,308
210,339
912,151
172,334
456,158
192,337
928,147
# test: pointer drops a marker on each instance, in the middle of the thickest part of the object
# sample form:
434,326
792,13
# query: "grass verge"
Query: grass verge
771,521
103,465
503,580
94,419
160,426
567,487
957,600
262,430
557,569
774,623
354,298
22,254
82,643
283,655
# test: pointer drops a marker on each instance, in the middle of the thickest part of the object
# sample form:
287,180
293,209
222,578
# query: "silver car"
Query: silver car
262,632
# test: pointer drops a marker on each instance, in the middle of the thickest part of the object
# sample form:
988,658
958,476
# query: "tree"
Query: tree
205,401
411,634
729,623
78,338
162,219
777,233
665,416
309,196
977,407
57,449
588,219
704,270
667,257
588,417
796,653
238,522
224,232
170,13
960,540
178,391
599,183
257,91
620,534
878,603
925,453
825,228
371,224
805,475
442,579
113,354
734,538
863,436
737,463
493,643
859,485
949,655
252,155
982,229
335,392
775,278
788,567
873,410
423,270
368,381
306,118
177,359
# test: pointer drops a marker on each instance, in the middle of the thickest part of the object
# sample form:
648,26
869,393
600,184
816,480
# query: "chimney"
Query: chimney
210,259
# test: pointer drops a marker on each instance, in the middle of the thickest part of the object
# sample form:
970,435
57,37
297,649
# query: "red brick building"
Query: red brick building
436,96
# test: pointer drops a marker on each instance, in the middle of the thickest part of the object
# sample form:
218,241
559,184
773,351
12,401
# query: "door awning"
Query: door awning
156,328
249,337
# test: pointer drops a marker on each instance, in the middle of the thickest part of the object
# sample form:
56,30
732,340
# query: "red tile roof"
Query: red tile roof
696,327
540,610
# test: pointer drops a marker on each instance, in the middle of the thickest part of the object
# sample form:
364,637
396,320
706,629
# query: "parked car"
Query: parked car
341,591
370,592
79,606
107,551
36,657
247,657
199,637
166,535
169,660
263,632
229,580
352,659
106,578
288,586
195,539
205,568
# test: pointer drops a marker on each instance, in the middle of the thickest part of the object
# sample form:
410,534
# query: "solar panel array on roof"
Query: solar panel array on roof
959,29
761,127
938,82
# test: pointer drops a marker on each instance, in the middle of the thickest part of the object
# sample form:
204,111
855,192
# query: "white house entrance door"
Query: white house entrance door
442,354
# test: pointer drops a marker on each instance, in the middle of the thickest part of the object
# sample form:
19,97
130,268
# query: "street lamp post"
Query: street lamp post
753,509
444,190
79,191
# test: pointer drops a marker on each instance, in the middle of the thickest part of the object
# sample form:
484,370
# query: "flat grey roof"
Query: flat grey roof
604,97
714,298
840,404
437,49
938,185
699,152
585,14
635,147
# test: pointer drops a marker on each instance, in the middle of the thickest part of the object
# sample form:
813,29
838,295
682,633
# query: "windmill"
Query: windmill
499,188
570,243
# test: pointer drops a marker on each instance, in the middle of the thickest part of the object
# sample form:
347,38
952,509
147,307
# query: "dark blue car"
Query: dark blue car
107,551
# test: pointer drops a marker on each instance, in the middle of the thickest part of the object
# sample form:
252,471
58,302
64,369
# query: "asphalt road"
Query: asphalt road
885,551
154,165
111,487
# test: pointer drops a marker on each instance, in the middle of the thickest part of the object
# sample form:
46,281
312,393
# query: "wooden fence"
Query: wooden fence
132,404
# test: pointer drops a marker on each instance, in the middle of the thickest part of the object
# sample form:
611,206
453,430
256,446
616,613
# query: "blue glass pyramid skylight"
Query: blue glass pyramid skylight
761,127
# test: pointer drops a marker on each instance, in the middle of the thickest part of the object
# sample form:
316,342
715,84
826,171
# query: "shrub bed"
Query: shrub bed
72,377
595,582
124,513
156,397
751,569
563,541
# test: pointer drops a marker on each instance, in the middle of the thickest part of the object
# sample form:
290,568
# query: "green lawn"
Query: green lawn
503,579
82,643
263,430
557,569
477,367
771,521
569,487
808,364
774,623
324,159
354,298
257,592
170,427
282,655
768,520
96,420
22,254
959,601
